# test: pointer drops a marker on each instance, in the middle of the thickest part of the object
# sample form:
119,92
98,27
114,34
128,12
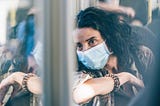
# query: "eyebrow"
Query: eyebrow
90,38
87,40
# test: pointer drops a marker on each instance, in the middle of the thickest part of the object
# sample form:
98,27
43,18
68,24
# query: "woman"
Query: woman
108,52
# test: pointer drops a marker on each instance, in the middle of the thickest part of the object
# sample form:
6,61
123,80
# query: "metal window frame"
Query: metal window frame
58,53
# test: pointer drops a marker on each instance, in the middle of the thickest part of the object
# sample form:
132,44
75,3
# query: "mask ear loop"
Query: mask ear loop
109,49
111,52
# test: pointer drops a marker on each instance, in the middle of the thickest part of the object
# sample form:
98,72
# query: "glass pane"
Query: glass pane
21,57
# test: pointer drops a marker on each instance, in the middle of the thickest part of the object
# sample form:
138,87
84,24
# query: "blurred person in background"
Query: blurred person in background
136,13
115,7
141,11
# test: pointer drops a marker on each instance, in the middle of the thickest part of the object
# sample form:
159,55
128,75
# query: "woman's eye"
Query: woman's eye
79,46
92,42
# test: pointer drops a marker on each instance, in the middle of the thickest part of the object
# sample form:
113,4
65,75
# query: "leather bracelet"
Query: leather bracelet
25,80
116,81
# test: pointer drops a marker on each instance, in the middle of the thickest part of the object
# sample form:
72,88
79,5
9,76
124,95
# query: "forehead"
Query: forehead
82,34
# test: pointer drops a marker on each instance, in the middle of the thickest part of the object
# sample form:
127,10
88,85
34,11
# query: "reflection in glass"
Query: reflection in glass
19,54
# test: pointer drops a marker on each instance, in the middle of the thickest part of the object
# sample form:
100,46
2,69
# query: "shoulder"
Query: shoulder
145,56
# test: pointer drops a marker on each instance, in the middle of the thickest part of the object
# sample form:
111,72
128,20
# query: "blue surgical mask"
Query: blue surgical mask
95,57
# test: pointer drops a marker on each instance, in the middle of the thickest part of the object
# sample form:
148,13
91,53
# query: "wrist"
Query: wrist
26,77
116,81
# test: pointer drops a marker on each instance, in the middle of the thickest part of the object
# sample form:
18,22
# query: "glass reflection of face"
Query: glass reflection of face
86,38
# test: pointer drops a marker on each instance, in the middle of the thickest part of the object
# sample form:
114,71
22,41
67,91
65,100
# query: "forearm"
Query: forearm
97,86
91,88
110,7
117,8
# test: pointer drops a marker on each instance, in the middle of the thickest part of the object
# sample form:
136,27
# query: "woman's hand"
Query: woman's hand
137,82
129,11
16,77
5,85
3,92
131,78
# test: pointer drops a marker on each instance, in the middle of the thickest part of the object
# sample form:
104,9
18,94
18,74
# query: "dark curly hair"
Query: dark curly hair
115,31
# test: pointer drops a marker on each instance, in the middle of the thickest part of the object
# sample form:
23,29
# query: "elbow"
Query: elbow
77,99
83,94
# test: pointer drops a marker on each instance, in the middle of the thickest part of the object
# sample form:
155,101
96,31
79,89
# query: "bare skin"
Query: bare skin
117,8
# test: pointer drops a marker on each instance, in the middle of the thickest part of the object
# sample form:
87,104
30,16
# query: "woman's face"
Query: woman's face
86,38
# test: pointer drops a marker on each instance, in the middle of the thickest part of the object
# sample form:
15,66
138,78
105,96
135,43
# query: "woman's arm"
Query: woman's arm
101,86
117,8
33,83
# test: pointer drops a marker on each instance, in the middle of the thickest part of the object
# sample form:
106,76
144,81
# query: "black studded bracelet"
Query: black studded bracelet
116,81
25,81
